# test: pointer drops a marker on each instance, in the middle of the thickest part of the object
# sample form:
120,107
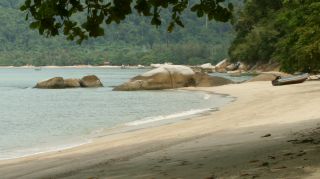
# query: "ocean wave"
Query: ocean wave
166,117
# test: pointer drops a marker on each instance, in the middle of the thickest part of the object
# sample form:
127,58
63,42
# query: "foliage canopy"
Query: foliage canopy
51,17
283,31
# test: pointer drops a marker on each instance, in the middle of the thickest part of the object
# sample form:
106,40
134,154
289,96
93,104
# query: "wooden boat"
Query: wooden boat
290,80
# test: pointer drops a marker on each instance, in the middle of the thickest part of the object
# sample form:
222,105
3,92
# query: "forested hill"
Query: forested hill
283,31
132,42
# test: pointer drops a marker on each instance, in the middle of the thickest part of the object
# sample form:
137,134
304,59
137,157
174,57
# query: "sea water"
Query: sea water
40,120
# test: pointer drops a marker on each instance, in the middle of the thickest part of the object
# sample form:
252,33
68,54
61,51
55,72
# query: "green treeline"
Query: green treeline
283,31
133,42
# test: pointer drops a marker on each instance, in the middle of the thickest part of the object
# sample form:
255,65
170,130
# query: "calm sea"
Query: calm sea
40,120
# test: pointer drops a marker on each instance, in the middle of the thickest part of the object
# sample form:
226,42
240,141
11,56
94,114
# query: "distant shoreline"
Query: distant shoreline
74,66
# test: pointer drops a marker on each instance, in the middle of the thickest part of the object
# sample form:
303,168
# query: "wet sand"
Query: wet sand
268,132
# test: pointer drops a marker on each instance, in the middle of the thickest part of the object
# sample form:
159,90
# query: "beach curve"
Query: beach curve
260,108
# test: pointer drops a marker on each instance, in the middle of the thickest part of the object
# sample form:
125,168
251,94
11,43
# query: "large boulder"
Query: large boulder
157,65
164,77
314,77
232,67
53,83
90,81
243,67
268,76
204,80
72,83
171,76
221,66
207,67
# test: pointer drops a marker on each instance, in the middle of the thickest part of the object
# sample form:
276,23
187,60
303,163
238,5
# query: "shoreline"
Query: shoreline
127,127
51,150
259,108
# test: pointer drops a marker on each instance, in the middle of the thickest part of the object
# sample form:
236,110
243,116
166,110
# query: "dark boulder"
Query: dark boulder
90,81
53,83
72,83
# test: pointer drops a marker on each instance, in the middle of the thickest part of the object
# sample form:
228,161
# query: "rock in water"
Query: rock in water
90,81
72,83
171,76
53,83
59,83
164,77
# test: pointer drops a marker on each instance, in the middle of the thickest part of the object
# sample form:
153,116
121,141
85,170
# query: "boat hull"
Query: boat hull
290,80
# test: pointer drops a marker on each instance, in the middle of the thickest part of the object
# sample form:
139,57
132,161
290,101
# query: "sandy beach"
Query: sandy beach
267,132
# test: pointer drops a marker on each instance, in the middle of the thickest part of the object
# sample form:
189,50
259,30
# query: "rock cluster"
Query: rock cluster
223,66
90,81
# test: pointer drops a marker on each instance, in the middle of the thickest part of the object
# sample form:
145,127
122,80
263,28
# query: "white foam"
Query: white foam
170,116
207,96
37,151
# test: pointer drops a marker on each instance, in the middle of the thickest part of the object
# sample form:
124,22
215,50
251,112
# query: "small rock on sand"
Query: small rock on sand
267,135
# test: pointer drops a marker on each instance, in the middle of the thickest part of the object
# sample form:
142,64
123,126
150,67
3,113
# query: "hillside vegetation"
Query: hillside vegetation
282,31
132,42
